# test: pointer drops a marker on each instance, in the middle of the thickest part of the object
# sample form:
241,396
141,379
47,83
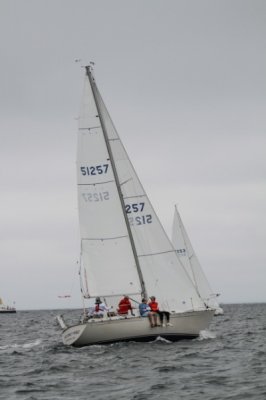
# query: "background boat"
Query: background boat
5,309
190,261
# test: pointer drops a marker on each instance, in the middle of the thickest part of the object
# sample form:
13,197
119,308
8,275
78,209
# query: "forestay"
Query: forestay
164,275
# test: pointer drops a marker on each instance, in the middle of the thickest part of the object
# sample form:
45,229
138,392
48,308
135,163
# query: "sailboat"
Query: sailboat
192,265
4,309
124,248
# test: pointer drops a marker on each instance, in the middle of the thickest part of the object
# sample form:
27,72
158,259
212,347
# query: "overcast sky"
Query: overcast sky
184,82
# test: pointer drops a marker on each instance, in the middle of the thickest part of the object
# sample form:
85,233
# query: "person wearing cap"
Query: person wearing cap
124,306
155,308
98,309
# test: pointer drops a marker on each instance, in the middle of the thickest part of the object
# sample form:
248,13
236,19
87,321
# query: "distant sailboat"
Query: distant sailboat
4,309
124,248
192,265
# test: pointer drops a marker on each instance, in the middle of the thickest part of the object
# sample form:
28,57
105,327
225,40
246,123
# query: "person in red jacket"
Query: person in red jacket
124,306
155,308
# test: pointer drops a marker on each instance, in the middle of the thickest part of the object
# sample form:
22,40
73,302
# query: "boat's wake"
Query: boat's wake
205,335
161,339
16,346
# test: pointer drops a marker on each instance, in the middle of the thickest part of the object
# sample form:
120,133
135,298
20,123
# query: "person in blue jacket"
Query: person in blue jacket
145,311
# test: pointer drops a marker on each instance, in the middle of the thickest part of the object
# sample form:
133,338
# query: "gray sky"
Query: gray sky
184,82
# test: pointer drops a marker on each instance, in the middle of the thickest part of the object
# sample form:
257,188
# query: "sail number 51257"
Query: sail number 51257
94,170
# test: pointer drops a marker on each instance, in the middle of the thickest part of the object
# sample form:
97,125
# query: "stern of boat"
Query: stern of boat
72,334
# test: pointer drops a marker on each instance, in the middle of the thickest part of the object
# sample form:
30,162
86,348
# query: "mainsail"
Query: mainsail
106,251
190,261
120,232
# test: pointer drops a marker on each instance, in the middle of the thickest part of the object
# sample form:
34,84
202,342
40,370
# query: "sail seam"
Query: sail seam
88,129
96,183
133,197
109,238
156,254
116,294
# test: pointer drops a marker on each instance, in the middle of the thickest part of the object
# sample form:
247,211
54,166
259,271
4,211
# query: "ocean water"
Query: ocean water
226,362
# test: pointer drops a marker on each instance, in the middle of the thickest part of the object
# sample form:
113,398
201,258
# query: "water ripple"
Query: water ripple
227,362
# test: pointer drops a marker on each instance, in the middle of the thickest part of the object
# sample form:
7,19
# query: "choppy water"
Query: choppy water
227,362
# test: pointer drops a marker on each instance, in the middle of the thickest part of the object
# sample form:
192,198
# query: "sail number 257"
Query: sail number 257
94,170
135,207
139,219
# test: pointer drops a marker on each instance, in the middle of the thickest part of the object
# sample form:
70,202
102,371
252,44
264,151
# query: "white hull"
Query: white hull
7,310
185,325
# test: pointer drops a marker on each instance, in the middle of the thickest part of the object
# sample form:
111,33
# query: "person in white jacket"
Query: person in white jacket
98,309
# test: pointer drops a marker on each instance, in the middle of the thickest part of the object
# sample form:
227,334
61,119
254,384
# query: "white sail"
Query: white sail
163,274
190,261
107,255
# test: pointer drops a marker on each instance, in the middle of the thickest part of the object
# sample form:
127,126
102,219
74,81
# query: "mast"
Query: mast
120,194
